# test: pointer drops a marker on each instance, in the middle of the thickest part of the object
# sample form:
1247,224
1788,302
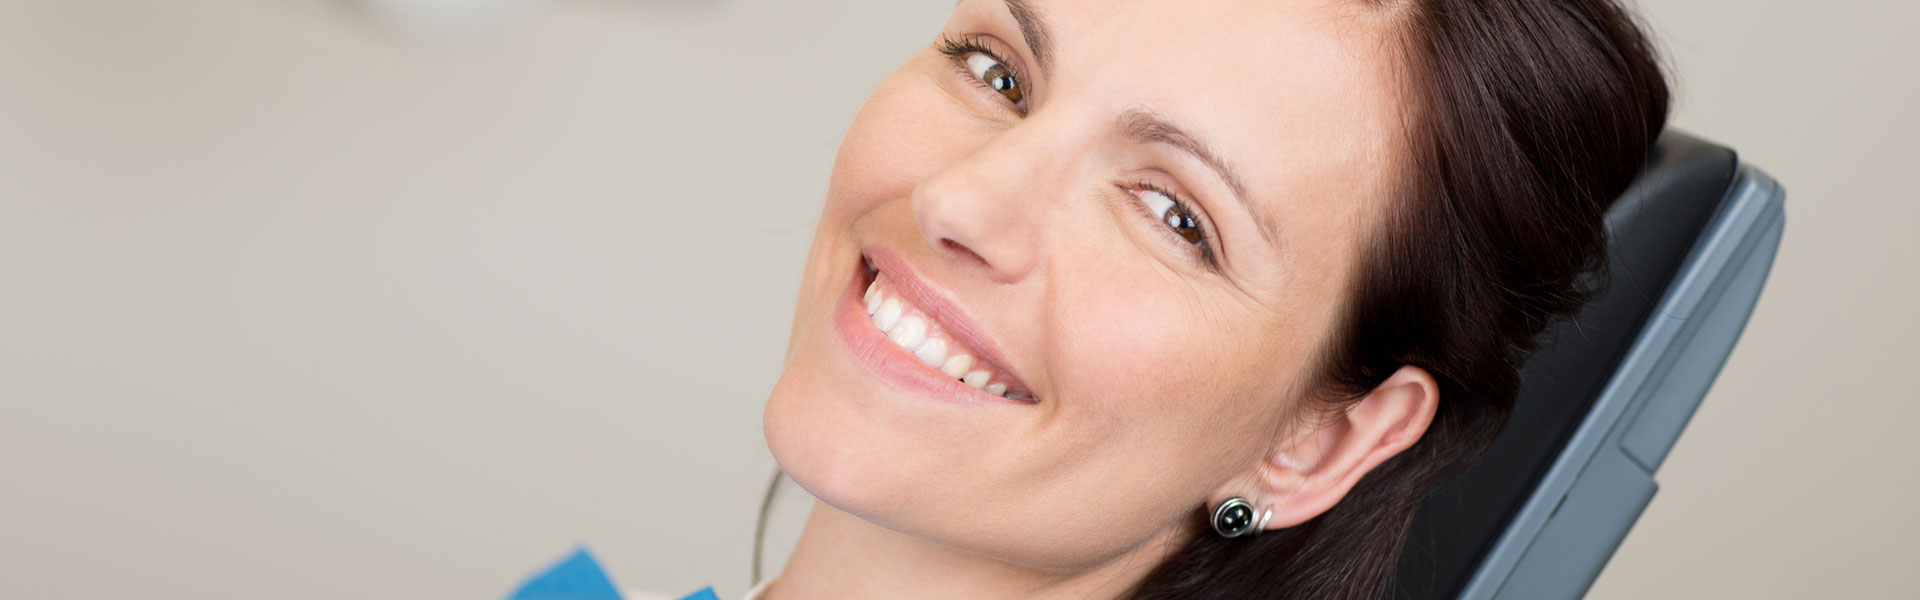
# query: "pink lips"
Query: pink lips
895,364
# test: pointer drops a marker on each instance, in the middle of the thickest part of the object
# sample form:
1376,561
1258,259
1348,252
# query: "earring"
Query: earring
1235,518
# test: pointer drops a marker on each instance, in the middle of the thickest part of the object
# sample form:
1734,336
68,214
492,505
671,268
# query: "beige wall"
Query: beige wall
293,306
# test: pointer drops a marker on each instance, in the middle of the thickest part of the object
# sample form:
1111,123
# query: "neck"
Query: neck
840,555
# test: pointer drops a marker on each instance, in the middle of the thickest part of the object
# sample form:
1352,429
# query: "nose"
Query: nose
987,210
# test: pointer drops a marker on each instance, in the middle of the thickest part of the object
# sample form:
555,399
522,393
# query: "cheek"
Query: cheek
903,134
1164,329
1138,347
898,138
1182,380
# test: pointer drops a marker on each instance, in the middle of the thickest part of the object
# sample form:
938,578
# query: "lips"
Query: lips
907,330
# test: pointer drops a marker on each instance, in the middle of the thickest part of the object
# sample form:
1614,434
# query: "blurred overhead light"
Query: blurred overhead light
448,17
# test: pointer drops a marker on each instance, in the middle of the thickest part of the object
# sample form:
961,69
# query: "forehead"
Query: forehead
1302,96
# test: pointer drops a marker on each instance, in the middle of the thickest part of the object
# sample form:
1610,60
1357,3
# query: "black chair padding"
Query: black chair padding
1653,227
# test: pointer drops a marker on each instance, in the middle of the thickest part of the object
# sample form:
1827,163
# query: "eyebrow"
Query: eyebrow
1145,127
1034,29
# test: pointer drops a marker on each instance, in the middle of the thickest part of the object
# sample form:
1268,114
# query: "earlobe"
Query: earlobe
1309,473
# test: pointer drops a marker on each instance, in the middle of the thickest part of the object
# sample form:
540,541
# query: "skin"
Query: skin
1165,386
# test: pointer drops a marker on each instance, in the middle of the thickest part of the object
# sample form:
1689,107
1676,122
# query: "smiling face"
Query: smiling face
1139,219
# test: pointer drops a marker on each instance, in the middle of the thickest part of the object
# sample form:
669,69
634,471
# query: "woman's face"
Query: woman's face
1139,217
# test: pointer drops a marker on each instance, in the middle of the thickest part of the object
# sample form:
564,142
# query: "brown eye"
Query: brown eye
996,76
1175,215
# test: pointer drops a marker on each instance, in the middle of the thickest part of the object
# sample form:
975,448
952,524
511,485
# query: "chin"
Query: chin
830,440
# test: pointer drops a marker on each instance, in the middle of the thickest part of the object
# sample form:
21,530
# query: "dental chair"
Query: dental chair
1608,394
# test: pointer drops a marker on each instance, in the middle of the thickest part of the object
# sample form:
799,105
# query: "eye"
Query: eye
996,76
1175,215
988,71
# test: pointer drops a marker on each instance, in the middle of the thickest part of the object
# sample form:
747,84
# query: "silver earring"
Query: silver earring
1235,518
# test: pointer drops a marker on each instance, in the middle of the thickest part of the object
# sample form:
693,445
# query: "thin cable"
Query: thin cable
760,528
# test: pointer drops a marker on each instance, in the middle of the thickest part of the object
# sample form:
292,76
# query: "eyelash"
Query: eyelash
957,51
1205,247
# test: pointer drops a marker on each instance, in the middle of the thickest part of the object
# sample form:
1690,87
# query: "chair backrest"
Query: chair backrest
1540,514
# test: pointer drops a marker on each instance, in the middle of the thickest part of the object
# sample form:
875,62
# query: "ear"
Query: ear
1310,472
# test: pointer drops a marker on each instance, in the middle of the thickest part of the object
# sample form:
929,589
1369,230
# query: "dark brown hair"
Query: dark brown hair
1528,117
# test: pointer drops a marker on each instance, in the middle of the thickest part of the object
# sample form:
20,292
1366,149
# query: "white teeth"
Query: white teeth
933,352
887,315
957,366
909,332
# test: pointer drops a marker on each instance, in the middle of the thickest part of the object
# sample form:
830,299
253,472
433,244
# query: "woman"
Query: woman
1189,299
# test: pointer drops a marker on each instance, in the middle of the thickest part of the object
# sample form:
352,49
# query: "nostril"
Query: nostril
962,250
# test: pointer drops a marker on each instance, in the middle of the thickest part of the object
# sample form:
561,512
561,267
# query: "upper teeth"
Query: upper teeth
911,331
933,352
956,366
